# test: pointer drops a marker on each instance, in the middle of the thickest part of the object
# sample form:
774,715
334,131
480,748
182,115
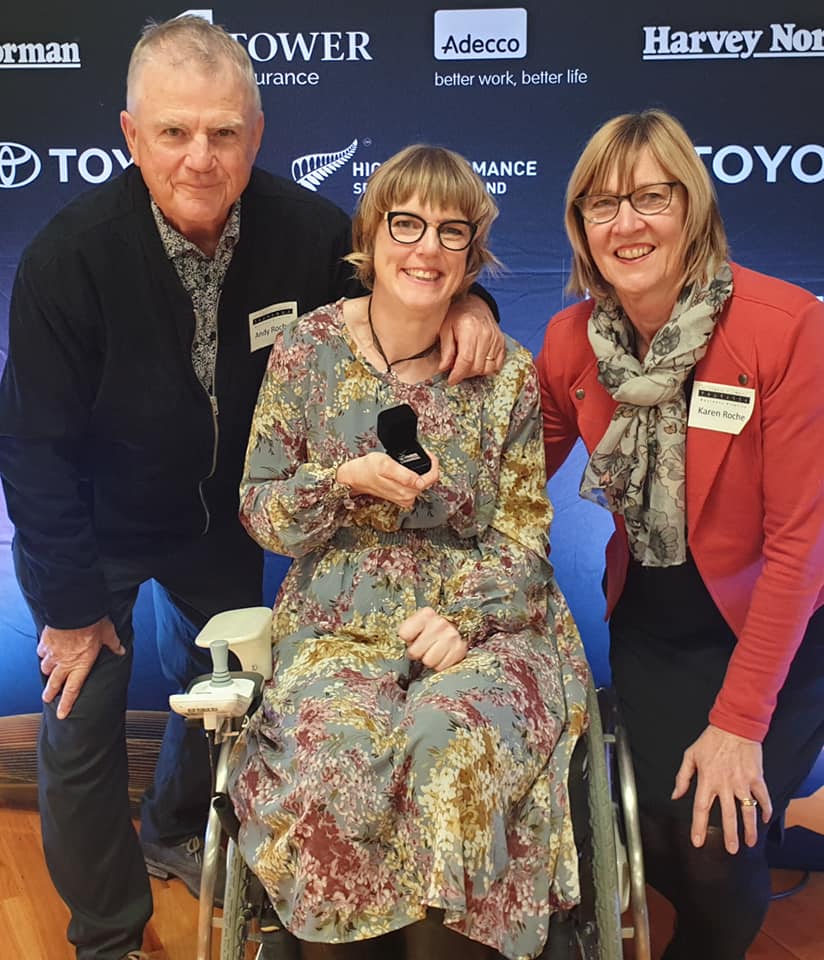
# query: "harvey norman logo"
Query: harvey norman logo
781,40
44,55
498,34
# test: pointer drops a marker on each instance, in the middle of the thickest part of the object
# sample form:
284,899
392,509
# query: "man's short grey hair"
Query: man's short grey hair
191,40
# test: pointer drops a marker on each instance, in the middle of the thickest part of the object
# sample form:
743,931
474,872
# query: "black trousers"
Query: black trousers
92,851
666,684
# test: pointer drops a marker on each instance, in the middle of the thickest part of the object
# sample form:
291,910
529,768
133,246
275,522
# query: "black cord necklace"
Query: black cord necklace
379,346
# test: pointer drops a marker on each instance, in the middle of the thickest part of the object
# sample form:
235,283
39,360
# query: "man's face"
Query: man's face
195,137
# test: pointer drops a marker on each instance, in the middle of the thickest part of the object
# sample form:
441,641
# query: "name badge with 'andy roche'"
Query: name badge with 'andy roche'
720,406
264,324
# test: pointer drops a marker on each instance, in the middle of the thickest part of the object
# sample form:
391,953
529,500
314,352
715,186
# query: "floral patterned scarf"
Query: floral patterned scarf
638,469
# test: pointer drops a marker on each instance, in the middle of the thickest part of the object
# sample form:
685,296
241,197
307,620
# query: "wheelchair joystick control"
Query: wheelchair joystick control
220,663
222,697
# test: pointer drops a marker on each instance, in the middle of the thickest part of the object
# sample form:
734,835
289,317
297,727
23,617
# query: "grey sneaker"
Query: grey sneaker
183,860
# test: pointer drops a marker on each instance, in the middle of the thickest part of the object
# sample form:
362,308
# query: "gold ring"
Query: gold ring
490,358
749,802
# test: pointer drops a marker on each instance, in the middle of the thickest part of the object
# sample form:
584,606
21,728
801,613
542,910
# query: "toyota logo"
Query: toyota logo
19,165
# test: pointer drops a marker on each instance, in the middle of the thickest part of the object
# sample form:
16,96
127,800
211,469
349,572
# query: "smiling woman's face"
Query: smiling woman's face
423,275
640,254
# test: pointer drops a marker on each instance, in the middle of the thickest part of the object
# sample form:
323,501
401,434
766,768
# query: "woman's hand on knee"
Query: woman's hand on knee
378,475
729,769
432,639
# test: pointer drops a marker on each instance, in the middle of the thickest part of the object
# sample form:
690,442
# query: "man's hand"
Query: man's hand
730,770
378,475
472,344
432,639
67,656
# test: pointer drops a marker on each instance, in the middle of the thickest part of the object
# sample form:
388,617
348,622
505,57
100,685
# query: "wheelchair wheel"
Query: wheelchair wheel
599,915
628,826
251,928
241,907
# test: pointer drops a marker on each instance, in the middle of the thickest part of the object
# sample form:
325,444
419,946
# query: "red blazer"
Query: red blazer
755,502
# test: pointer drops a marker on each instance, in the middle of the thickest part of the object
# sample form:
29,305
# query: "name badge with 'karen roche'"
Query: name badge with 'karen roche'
264,324
720,406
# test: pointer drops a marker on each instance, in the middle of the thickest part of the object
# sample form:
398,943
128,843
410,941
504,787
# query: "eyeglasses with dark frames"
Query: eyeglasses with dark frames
405,227
649,199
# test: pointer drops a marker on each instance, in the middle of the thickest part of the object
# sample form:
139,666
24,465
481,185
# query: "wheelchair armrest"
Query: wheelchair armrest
248,634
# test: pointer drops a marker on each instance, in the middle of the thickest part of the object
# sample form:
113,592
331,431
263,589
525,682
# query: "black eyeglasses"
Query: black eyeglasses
647,200
409,228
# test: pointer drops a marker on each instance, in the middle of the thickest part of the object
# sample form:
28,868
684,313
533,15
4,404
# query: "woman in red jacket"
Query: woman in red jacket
697,387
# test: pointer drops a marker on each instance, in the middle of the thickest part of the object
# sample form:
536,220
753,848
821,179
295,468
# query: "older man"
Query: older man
140,319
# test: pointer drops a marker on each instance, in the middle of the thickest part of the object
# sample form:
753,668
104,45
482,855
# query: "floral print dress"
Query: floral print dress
361,803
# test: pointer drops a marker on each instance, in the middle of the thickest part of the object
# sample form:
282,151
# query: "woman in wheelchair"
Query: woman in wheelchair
411,751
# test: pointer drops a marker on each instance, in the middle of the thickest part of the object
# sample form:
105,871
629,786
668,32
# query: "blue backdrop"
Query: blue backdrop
518,90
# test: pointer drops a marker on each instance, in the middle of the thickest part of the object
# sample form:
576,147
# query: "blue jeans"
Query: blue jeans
176,805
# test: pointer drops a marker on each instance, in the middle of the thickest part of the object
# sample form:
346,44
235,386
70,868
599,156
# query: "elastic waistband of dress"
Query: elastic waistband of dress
361,537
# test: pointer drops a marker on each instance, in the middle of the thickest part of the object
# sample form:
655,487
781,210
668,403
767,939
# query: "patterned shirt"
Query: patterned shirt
202,278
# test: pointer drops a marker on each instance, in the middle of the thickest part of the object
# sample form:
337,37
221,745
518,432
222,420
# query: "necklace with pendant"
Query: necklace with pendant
379,346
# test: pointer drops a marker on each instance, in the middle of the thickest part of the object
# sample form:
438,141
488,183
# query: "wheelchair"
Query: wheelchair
602,796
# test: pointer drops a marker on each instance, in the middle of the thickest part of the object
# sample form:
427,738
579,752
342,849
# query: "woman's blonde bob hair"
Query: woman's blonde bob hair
616,147
439,178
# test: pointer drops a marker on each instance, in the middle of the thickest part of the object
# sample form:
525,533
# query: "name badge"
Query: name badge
264,324
720,406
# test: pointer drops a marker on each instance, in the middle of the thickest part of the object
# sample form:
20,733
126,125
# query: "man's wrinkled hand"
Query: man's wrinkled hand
67,657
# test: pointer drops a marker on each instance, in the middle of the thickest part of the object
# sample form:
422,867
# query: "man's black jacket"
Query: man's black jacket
109,444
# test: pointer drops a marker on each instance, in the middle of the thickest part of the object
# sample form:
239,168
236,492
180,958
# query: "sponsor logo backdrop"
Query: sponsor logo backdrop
517,89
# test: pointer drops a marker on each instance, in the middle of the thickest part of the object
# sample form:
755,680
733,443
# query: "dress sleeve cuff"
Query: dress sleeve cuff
339,493
468,621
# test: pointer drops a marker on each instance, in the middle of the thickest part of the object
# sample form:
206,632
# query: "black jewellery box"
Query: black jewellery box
398,432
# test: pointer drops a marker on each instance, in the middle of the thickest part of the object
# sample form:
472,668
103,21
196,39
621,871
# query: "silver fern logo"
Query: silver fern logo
314,168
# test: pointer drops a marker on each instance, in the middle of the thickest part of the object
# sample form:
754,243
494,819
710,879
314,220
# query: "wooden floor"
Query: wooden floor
33,919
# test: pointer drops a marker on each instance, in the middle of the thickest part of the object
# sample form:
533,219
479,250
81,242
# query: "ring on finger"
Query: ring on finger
748,802
490,359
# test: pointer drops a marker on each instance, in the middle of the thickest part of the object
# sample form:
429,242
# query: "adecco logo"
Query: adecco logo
19,165
498,34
